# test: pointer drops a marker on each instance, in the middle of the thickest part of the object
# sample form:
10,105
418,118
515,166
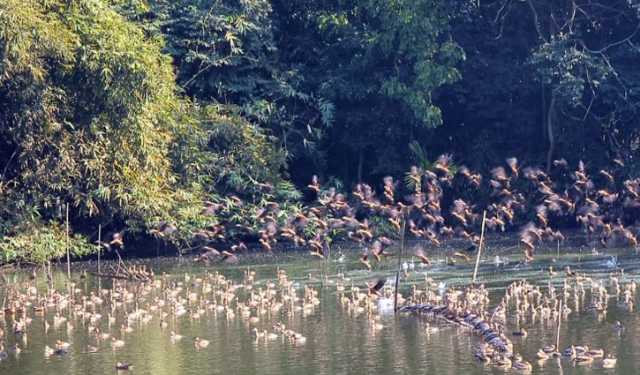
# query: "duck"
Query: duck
200,343
61,345
541,354
569,352
595,353
299,339
123,366
16,349
609,362
583,359
520,333
175,337
482,356
116,343
429,329
521,365
618,326
258,334
581,349
48,351
503,362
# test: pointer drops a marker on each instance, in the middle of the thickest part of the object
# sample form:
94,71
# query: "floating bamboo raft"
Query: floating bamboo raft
467,319
125,272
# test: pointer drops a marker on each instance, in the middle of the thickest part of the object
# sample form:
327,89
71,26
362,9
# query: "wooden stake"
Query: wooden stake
395,294
99,245
475,269
68,245
559,320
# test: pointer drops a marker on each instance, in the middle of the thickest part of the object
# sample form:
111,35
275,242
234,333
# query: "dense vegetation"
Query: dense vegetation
155,116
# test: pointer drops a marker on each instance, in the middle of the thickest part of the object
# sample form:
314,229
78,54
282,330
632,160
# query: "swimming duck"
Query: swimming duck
520,333
616,326
482,356
200,343
569,352
61,345
48,351
502,362
429,329
609,361
175,337
122,366
595,353
541,354
16,349
116,343
258,334
521,365
583,359
549,349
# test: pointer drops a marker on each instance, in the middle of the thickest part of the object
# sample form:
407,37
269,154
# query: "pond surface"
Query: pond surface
325,332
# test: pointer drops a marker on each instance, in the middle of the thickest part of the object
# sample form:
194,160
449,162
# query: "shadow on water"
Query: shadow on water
338,341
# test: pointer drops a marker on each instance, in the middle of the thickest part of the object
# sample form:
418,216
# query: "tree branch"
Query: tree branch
536,21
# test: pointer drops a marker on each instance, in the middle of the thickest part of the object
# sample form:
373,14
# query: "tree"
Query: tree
543,80
379,64
91,117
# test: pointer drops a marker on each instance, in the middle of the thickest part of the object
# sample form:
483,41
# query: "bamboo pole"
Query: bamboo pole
558,327
402,234
68,244
475,269
326,252
99,244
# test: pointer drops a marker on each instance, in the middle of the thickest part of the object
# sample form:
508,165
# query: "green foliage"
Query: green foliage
137,112
534,62
245,156
379,63
90,116
39,243
225,53
419,155
222,48
311,72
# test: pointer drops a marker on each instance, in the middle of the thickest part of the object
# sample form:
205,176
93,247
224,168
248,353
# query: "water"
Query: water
339,340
